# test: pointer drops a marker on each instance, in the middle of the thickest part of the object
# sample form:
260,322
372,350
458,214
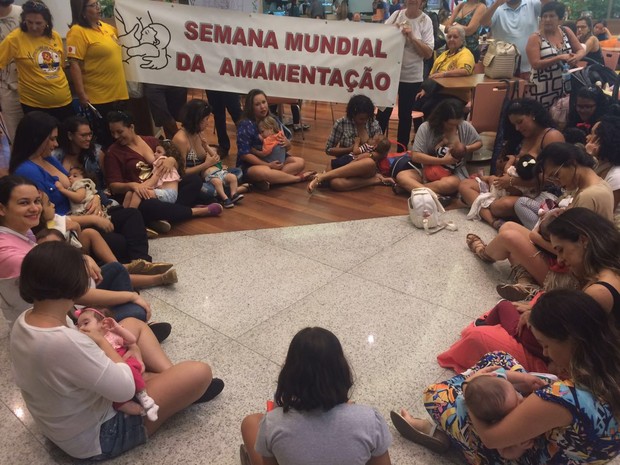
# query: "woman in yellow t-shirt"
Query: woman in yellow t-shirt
38,53
96,64
456,61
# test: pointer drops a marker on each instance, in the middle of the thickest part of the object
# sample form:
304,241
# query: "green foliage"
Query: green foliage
597,8
107,8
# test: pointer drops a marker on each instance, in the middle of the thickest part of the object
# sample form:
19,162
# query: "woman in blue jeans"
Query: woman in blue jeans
70,379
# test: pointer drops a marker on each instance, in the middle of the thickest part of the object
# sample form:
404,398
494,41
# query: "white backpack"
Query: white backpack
425,211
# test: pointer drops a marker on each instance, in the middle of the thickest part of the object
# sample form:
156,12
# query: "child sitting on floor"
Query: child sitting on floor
90,320
219,176
490,398
81,192
164,187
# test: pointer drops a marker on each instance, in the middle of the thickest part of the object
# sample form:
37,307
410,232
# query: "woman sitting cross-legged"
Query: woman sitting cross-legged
69,379
129,162
572,420
354,142
439,150
256,170
314,421
528,129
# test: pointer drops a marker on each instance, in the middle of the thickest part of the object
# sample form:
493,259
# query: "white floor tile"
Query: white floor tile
394,296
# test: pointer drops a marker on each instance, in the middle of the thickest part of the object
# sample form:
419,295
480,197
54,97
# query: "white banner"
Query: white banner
165,43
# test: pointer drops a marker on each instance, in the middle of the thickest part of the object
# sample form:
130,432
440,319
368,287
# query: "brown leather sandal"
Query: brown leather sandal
478,248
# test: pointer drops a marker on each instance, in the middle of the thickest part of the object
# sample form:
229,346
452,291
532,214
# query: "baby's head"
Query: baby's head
49,235
526,167
491,398
91,319
76,173
382,149
268,126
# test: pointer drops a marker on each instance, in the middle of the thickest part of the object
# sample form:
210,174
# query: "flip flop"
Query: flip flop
437,440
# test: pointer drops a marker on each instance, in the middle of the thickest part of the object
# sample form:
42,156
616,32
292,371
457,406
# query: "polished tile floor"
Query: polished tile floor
394,296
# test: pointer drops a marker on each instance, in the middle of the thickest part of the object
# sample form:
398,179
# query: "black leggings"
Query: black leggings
189,192
406,98
128,241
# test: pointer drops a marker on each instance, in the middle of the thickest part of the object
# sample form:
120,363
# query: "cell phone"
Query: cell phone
95,111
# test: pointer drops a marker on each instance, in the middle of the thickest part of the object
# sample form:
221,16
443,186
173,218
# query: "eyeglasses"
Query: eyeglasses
86,135
96,5
554,176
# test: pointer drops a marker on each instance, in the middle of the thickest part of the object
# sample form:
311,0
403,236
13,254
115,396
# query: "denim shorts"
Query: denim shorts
119,434
167,195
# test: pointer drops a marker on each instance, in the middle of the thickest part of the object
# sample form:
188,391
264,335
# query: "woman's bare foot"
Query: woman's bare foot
385,180
424,426
313,184
306,176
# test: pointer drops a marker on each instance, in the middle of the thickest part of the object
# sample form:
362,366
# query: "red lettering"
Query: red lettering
323,72
260,72
271,40
378,52
336,79
255,38
191,32
226,68
243,68
311,47
239,37
206,30
308,75
222,34
328,44
293,73
344,46
277,72
183,61
366,48
293,41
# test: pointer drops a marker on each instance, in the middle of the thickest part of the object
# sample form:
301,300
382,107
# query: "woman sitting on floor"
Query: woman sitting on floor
528,129
572,420
439,150
69,379
589,247
129,162
315,421
571,168
255,170
353,140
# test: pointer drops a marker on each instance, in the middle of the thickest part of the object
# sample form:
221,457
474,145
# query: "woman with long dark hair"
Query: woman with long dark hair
572,419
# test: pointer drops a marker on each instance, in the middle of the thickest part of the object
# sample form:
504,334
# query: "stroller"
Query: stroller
589,76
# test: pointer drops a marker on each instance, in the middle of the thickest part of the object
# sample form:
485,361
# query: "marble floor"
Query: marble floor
394,296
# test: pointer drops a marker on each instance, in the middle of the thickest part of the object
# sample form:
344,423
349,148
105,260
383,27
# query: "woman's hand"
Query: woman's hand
138,300
524,382
210,160
60,186
420,94
276,165
84,100
405,28
92,269
72,225
95,335
572,60
142,191
437,75
524,320
563,57
102,223
167,166
94,207
503,182
449,160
